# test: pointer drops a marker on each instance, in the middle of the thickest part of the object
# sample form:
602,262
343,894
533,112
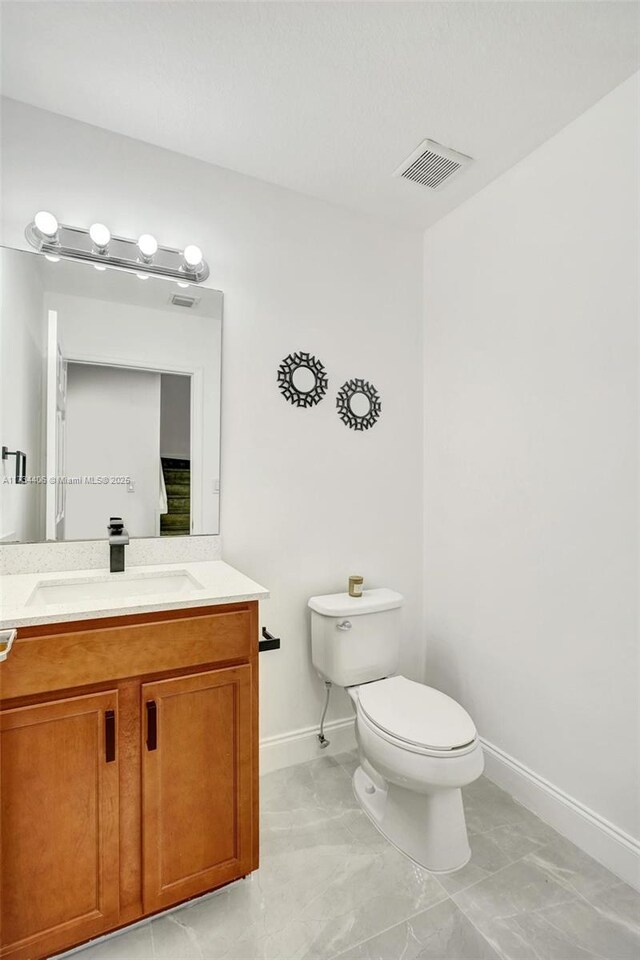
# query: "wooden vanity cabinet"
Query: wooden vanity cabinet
60,829
128,771
196,783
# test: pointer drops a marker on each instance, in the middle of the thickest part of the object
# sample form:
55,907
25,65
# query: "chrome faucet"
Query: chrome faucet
118,539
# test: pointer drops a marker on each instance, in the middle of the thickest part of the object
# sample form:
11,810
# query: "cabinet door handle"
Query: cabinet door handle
109,736
152,725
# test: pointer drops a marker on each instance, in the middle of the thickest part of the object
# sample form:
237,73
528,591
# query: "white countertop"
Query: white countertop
220,583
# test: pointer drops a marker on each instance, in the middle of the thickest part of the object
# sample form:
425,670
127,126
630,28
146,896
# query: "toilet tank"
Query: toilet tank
356,639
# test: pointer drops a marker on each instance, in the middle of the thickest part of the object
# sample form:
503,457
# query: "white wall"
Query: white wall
112,430
305,501
175,416
531,539
22,351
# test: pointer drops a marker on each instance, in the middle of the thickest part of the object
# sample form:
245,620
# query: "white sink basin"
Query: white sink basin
114,586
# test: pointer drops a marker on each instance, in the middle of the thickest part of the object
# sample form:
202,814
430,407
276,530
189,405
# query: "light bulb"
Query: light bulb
51,259
100,235
98,266
147,245
192,255
142,276
183,285
46,223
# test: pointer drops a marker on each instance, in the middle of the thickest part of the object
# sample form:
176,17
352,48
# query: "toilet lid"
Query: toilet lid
416,713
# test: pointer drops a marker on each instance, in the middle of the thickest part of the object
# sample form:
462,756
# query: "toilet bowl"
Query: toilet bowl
417,746
411,790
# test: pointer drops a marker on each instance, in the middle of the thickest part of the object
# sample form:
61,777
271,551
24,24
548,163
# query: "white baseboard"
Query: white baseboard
299,746
601,839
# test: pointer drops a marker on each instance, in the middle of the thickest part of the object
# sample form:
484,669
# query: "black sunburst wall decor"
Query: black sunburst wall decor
302,361
343,402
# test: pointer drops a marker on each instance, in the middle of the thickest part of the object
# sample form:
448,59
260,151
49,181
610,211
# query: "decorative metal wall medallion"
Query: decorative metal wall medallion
359,405
302,379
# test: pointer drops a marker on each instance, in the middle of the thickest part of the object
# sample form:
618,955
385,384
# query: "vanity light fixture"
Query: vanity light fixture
46,225
148,247
100,235
192,256
100,247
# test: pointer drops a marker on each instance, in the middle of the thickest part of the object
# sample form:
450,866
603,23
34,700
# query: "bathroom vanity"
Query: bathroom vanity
129,748
128,692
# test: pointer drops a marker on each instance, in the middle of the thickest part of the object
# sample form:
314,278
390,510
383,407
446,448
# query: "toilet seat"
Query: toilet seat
416,717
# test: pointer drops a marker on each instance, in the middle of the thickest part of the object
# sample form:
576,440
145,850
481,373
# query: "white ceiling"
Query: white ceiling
325,98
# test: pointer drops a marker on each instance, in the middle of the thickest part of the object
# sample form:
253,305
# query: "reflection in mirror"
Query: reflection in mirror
110,389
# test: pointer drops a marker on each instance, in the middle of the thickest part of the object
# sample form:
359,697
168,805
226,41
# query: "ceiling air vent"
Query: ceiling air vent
182,300
431,165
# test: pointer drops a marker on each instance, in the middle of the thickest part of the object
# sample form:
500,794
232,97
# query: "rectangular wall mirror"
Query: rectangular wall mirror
109,402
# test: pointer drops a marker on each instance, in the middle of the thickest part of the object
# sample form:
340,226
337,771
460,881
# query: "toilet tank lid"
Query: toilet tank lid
342,605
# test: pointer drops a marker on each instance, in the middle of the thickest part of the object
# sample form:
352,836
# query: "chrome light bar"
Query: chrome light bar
98,246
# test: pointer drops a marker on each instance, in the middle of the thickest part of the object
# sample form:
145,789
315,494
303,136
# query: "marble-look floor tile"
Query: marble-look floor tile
619,902
362,829
366,898
532,910
529,936
587,928
309,813
298,783
218,922
497,848
330,884
325,768
520,888
569,931
173,939
335,794
525,836
439,933
324,904
487,857
133,944
267,907
348,761
486,807
292,943
573,868
309,827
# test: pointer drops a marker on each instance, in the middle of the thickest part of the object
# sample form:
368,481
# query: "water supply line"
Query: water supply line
321,737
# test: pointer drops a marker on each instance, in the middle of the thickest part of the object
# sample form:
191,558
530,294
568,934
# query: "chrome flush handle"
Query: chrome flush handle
345,625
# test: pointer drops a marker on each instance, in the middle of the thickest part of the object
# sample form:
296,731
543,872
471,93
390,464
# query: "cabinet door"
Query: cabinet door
58,823
197,783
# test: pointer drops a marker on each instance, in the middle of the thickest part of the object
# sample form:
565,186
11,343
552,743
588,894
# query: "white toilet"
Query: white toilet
417,746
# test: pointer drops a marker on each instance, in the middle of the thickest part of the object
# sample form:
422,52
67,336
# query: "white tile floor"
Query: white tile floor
330,886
